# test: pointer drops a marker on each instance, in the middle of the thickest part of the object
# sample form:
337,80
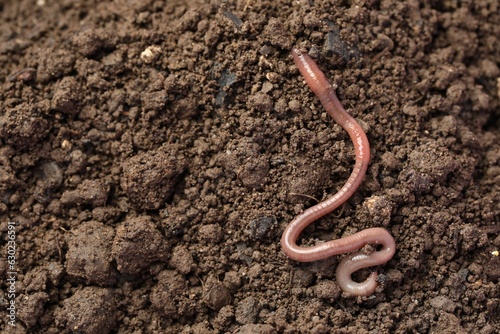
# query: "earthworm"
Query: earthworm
318,83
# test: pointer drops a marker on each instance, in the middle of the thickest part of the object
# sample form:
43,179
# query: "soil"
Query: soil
152,152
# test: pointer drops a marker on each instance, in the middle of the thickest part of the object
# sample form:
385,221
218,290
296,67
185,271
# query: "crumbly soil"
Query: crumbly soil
152,152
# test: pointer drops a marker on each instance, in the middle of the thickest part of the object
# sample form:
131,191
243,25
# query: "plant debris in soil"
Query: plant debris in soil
152,152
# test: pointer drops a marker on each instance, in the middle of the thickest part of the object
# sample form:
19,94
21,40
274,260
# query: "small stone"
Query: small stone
259,228
150,54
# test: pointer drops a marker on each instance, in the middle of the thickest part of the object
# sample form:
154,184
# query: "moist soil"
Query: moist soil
152,153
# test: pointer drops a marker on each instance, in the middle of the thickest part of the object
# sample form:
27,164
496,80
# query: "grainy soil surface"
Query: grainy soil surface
152,153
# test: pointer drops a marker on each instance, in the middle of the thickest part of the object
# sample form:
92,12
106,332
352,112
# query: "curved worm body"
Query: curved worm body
318,83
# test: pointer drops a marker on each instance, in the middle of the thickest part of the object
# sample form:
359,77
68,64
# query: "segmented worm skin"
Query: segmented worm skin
318,83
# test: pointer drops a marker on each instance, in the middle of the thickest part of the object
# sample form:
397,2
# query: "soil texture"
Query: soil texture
153,151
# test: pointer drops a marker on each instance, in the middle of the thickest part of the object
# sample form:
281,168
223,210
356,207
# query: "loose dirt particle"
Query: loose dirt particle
50,180
30,307
256,329
247,311
66,98
443,303
89,192
261,102
169,296
24,126
327,290
149,179
182,260
55,64
91,310
89,253
302,278
137,245
210,234
216,295
448,324
276,34
90,41
253,174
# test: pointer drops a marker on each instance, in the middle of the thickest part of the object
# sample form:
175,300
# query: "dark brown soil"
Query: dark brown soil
152,152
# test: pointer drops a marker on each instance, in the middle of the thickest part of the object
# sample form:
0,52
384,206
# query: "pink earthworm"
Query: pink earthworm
318,83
